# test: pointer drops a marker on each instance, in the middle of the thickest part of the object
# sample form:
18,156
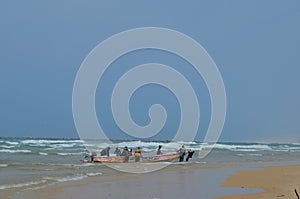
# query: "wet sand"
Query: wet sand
181,181
187,181
276,181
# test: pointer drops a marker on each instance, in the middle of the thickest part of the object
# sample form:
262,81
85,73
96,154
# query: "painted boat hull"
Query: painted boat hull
146,158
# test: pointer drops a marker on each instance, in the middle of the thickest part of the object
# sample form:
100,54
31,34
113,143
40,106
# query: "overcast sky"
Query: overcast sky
254,43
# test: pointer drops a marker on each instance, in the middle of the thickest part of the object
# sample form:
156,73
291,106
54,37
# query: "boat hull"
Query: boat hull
147,158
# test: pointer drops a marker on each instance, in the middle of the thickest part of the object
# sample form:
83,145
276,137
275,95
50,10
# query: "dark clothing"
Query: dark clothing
158,152
181,157
189,155
94,154
181,153
105,152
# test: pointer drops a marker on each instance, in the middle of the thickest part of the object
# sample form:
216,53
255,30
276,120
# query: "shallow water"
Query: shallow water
33,163
176,181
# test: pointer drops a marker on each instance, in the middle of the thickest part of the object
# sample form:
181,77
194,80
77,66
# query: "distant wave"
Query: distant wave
93,174
12,143
50,141
14,151
59,160
80,153
240,147
7,146
77,147
67,178
22,184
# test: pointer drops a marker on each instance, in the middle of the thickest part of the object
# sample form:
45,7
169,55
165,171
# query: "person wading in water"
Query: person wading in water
137,154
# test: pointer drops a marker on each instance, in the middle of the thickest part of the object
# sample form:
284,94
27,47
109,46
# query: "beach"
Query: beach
51,168
276,181
184,180
181,181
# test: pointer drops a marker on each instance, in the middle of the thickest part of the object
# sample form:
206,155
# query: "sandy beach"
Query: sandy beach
176,181
276,181
34,169
181,181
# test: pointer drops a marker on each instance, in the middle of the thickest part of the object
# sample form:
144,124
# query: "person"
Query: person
158,152
137,154
94,154
117,151
130,152
105,152
181,153
190,154
125,153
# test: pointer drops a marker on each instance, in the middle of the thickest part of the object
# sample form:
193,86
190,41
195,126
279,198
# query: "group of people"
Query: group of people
126,153
182,152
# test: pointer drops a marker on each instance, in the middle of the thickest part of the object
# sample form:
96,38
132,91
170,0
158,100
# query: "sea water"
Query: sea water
34,163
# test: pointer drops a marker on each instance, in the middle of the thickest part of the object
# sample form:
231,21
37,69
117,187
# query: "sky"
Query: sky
255,45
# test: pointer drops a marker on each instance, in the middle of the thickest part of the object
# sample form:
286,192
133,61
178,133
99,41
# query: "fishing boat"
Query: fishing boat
145,158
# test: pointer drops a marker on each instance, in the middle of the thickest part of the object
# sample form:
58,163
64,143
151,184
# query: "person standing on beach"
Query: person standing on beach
158,152
93,155
117,151
125,153
190,154
137,154
105,152
181,153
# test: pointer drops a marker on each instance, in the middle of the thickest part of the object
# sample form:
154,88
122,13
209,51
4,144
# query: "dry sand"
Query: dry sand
277,181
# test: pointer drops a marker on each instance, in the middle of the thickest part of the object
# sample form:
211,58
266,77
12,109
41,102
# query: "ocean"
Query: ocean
27,164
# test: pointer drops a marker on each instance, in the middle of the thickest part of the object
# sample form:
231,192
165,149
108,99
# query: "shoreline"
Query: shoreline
184,180
175,181
275,181
187,180
33,166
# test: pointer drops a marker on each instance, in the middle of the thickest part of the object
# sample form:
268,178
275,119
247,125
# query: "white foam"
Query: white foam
6,146
249,154
12,143
50,141
293,148
67,145
42,153
93,174
81,153
147,150
66,179
133,144
83,165
245,150
255,154
14,151
3,165
235,147
21,184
